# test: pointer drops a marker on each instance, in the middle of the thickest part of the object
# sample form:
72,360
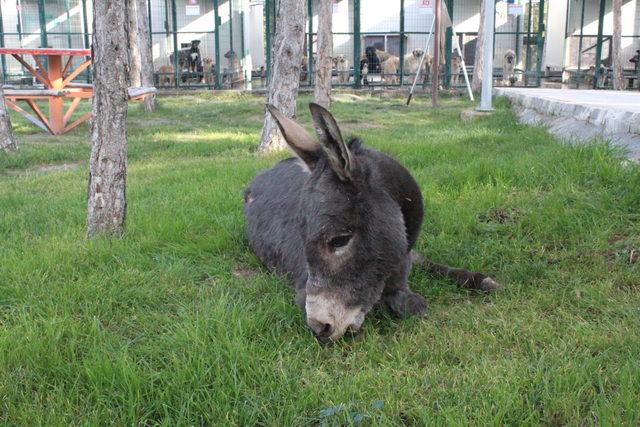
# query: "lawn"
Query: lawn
178,324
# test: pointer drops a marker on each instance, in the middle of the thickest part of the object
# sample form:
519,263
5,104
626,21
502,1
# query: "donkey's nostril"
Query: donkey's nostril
321,329
326,330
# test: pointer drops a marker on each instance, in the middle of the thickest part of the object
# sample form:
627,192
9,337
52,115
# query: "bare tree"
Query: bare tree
476,82
616,47
146,59
132,35
323,66
286,63
107,204
7,140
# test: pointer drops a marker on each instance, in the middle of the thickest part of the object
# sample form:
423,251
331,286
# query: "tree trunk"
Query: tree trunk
146,58
476,82
616,57
107,204
323,66
7,140
135,64
286,63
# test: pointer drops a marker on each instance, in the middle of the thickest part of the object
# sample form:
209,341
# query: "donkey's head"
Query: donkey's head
353,231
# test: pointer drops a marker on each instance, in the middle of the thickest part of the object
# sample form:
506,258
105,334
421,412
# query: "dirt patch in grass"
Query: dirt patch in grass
623,248
500,216
154,121
245,272
45,168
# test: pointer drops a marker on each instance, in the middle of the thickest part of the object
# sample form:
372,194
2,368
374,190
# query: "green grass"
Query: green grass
178,324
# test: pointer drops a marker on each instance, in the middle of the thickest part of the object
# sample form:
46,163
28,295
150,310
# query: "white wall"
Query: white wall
555,42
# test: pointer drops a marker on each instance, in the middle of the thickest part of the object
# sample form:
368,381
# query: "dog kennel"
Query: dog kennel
398,27
588,34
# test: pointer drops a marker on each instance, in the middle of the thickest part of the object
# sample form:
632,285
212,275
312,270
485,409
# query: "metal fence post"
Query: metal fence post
580,46
150,24
66,4
43,24
246,78
310,63
4,61
599,43
402,46
85,22
528,57
448,44
540,40
356,43
518,49
216,38
487,70
230,24
176,60
267,32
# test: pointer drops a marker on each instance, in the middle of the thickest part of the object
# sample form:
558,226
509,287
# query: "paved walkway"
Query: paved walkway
582,115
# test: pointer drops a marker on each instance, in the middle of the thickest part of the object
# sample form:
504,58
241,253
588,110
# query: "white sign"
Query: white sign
516,9
425,7
192,10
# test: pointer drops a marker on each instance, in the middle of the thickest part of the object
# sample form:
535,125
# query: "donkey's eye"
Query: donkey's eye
339,241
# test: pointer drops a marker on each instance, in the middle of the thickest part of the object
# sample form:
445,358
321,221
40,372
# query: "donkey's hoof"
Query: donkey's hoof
409,304
489,285
416,258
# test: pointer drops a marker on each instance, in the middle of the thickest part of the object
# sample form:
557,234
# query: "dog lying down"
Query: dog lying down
341,221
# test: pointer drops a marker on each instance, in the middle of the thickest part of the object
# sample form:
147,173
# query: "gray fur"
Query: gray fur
298,220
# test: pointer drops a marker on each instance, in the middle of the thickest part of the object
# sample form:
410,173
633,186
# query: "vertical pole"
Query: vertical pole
85,23
43,24
176,60
402,46
528,57
4,61
356,43
540,42
435,81
216,17
231,76
267,32
580,45
448,45
19,24
231,25
310,63
66,4
87,45
599,43
487,70
150,24
493,47
246,76
518,49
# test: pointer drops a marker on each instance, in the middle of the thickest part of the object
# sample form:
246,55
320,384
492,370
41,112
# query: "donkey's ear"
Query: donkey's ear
303,144
340,158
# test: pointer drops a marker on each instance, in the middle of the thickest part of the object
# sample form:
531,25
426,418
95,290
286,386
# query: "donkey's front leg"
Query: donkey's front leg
397,295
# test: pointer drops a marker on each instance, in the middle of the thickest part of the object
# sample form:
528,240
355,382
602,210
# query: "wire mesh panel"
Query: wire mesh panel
418,25
193,25
65,28
380,42
32,24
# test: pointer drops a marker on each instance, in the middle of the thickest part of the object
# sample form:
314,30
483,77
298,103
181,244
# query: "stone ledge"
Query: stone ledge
612,121
575,123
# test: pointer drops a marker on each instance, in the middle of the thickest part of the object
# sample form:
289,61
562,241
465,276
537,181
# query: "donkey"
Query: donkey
340,220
